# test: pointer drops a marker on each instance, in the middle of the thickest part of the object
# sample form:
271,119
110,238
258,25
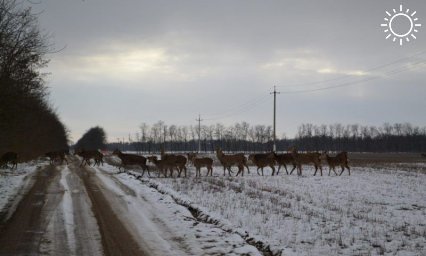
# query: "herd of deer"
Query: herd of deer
170,162
293,158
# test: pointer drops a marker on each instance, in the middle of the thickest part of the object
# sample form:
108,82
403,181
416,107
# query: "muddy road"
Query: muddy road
73,210
64,196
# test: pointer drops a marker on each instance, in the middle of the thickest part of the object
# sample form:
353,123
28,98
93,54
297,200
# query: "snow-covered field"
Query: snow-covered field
13,182
371,212
167,227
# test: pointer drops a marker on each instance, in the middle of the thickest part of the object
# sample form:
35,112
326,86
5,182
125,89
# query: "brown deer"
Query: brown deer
162,165
89,154
57,155
306,158
228,161
263,160
191,156
203,162
284,160
131,159
340,159
9,157
178,161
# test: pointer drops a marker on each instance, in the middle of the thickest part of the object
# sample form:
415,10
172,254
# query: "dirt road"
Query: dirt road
22,233
71,210
39,224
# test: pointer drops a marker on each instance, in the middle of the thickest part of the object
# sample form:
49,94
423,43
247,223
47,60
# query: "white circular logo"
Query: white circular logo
395,25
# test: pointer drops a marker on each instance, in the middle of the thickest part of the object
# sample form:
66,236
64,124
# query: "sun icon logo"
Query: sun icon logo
401,25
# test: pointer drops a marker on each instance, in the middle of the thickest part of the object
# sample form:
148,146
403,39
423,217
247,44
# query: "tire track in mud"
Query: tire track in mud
22,233
116,239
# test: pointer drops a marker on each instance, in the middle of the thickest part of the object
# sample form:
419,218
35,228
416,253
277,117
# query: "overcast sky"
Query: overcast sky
128,62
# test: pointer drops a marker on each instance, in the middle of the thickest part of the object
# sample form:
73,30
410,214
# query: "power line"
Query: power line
389,73
242,111
199,132
252,101
274,148
366,71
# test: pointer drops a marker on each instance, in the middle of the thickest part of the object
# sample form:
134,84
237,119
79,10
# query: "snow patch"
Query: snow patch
68,211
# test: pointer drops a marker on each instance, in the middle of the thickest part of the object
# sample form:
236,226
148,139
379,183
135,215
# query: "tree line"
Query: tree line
28,123
95,138
398,137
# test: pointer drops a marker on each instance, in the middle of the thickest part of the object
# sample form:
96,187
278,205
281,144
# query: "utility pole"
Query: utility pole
274,147
199,132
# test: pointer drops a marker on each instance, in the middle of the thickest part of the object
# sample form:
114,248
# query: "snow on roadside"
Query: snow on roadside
171,227
13,183
68,211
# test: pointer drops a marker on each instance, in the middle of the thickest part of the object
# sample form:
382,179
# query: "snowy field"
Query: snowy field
371,212
375,211
166,226
12,183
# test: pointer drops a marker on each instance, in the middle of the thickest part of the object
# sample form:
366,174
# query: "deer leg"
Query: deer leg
147,169
229,170
240,170
248,170
343,169
334,170
295,166
285,167
349,169
320,167
273,170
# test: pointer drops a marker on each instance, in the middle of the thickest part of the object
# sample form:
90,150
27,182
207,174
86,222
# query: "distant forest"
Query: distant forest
243,137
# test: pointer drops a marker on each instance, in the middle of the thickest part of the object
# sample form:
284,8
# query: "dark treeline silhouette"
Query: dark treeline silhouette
243,137
28,124
398,137
93,139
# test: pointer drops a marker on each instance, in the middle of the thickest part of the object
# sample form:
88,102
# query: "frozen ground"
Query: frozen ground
72,210
13,183
168,228
371,212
